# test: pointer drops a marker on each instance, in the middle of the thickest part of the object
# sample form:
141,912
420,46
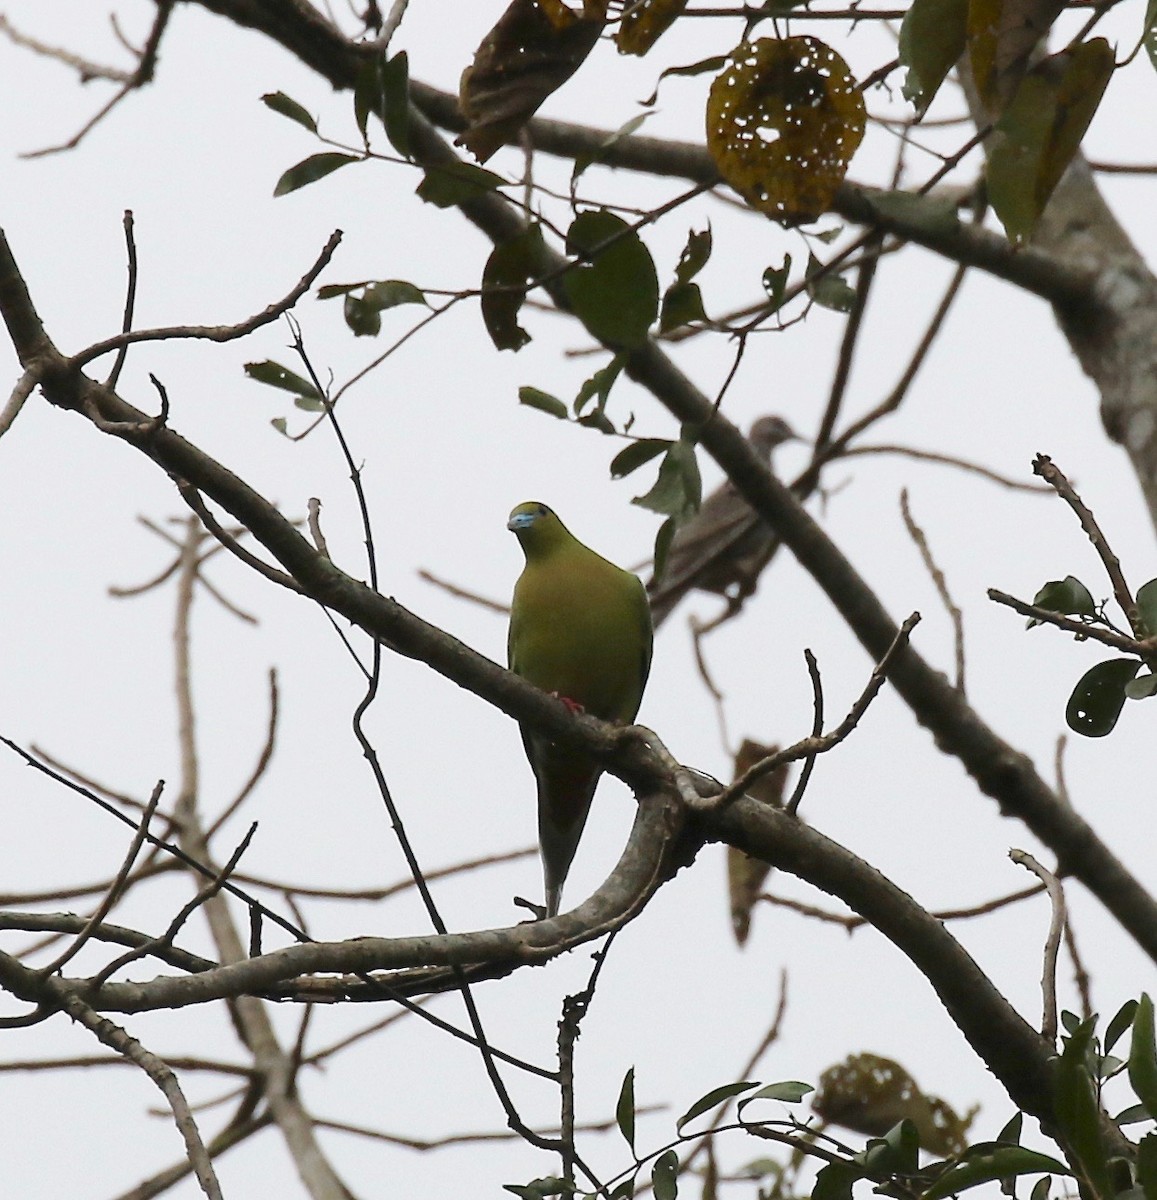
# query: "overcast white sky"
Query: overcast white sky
447,451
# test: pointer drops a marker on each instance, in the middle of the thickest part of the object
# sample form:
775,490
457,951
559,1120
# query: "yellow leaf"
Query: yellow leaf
645,23
784,118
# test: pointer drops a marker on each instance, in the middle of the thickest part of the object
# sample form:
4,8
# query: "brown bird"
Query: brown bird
725,546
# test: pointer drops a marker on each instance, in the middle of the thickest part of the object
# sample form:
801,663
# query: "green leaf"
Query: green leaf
382,87
1132,1115
713,1098
702,67
1147,599
363,313
1077,1113
287,107
1142,687
1120,1022
588,158
637,454
932,38
599,384
896,1153
1150,34
1068,596
543,401
625,1109
694,256
678,488
665,1175
1147,1166
275,375
615,295
330,290
663,540
625,1190
987,1161
504,277
775,282
311,169
790,1091
363,319
828,289
1042,1188
389,293
457,183
1010,1134
1143,1056
834,1182
539,1189
1041,129
1099,696
281,425
682,304
395,114
598,420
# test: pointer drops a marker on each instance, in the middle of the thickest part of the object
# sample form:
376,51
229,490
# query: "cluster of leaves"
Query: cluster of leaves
1100,694
1104,1167
1040,113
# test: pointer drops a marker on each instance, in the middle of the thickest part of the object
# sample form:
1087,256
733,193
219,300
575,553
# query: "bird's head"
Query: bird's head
769,432
537,527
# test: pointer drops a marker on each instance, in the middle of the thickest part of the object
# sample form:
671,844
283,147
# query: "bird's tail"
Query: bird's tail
566,786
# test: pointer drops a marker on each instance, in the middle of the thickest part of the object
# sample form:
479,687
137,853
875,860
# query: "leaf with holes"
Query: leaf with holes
784,118
532,51
1099,696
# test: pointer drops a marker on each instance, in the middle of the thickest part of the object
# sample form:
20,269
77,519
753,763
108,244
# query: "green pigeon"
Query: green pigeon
725,546
580,628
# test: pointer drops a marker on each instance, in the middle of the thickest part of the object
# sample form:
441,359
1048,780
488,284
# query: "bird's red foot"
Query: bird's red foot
572,705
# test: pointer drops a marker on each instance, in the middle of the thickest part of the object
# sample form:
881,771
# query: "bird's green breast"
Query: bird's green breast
580,628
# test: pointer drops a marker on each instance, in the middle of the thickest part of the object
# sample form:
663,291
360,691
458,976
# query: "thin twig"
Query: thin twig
954,613
115,889
215,333
463,594
814,745
263,759
1044,467
813,670
1081,630
1052,941
158,1071
130,298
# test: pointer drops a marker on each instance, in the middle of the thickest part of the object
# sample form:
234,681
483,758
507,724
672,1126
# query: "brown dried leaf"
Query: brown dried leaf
532,51
645,23
784,118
